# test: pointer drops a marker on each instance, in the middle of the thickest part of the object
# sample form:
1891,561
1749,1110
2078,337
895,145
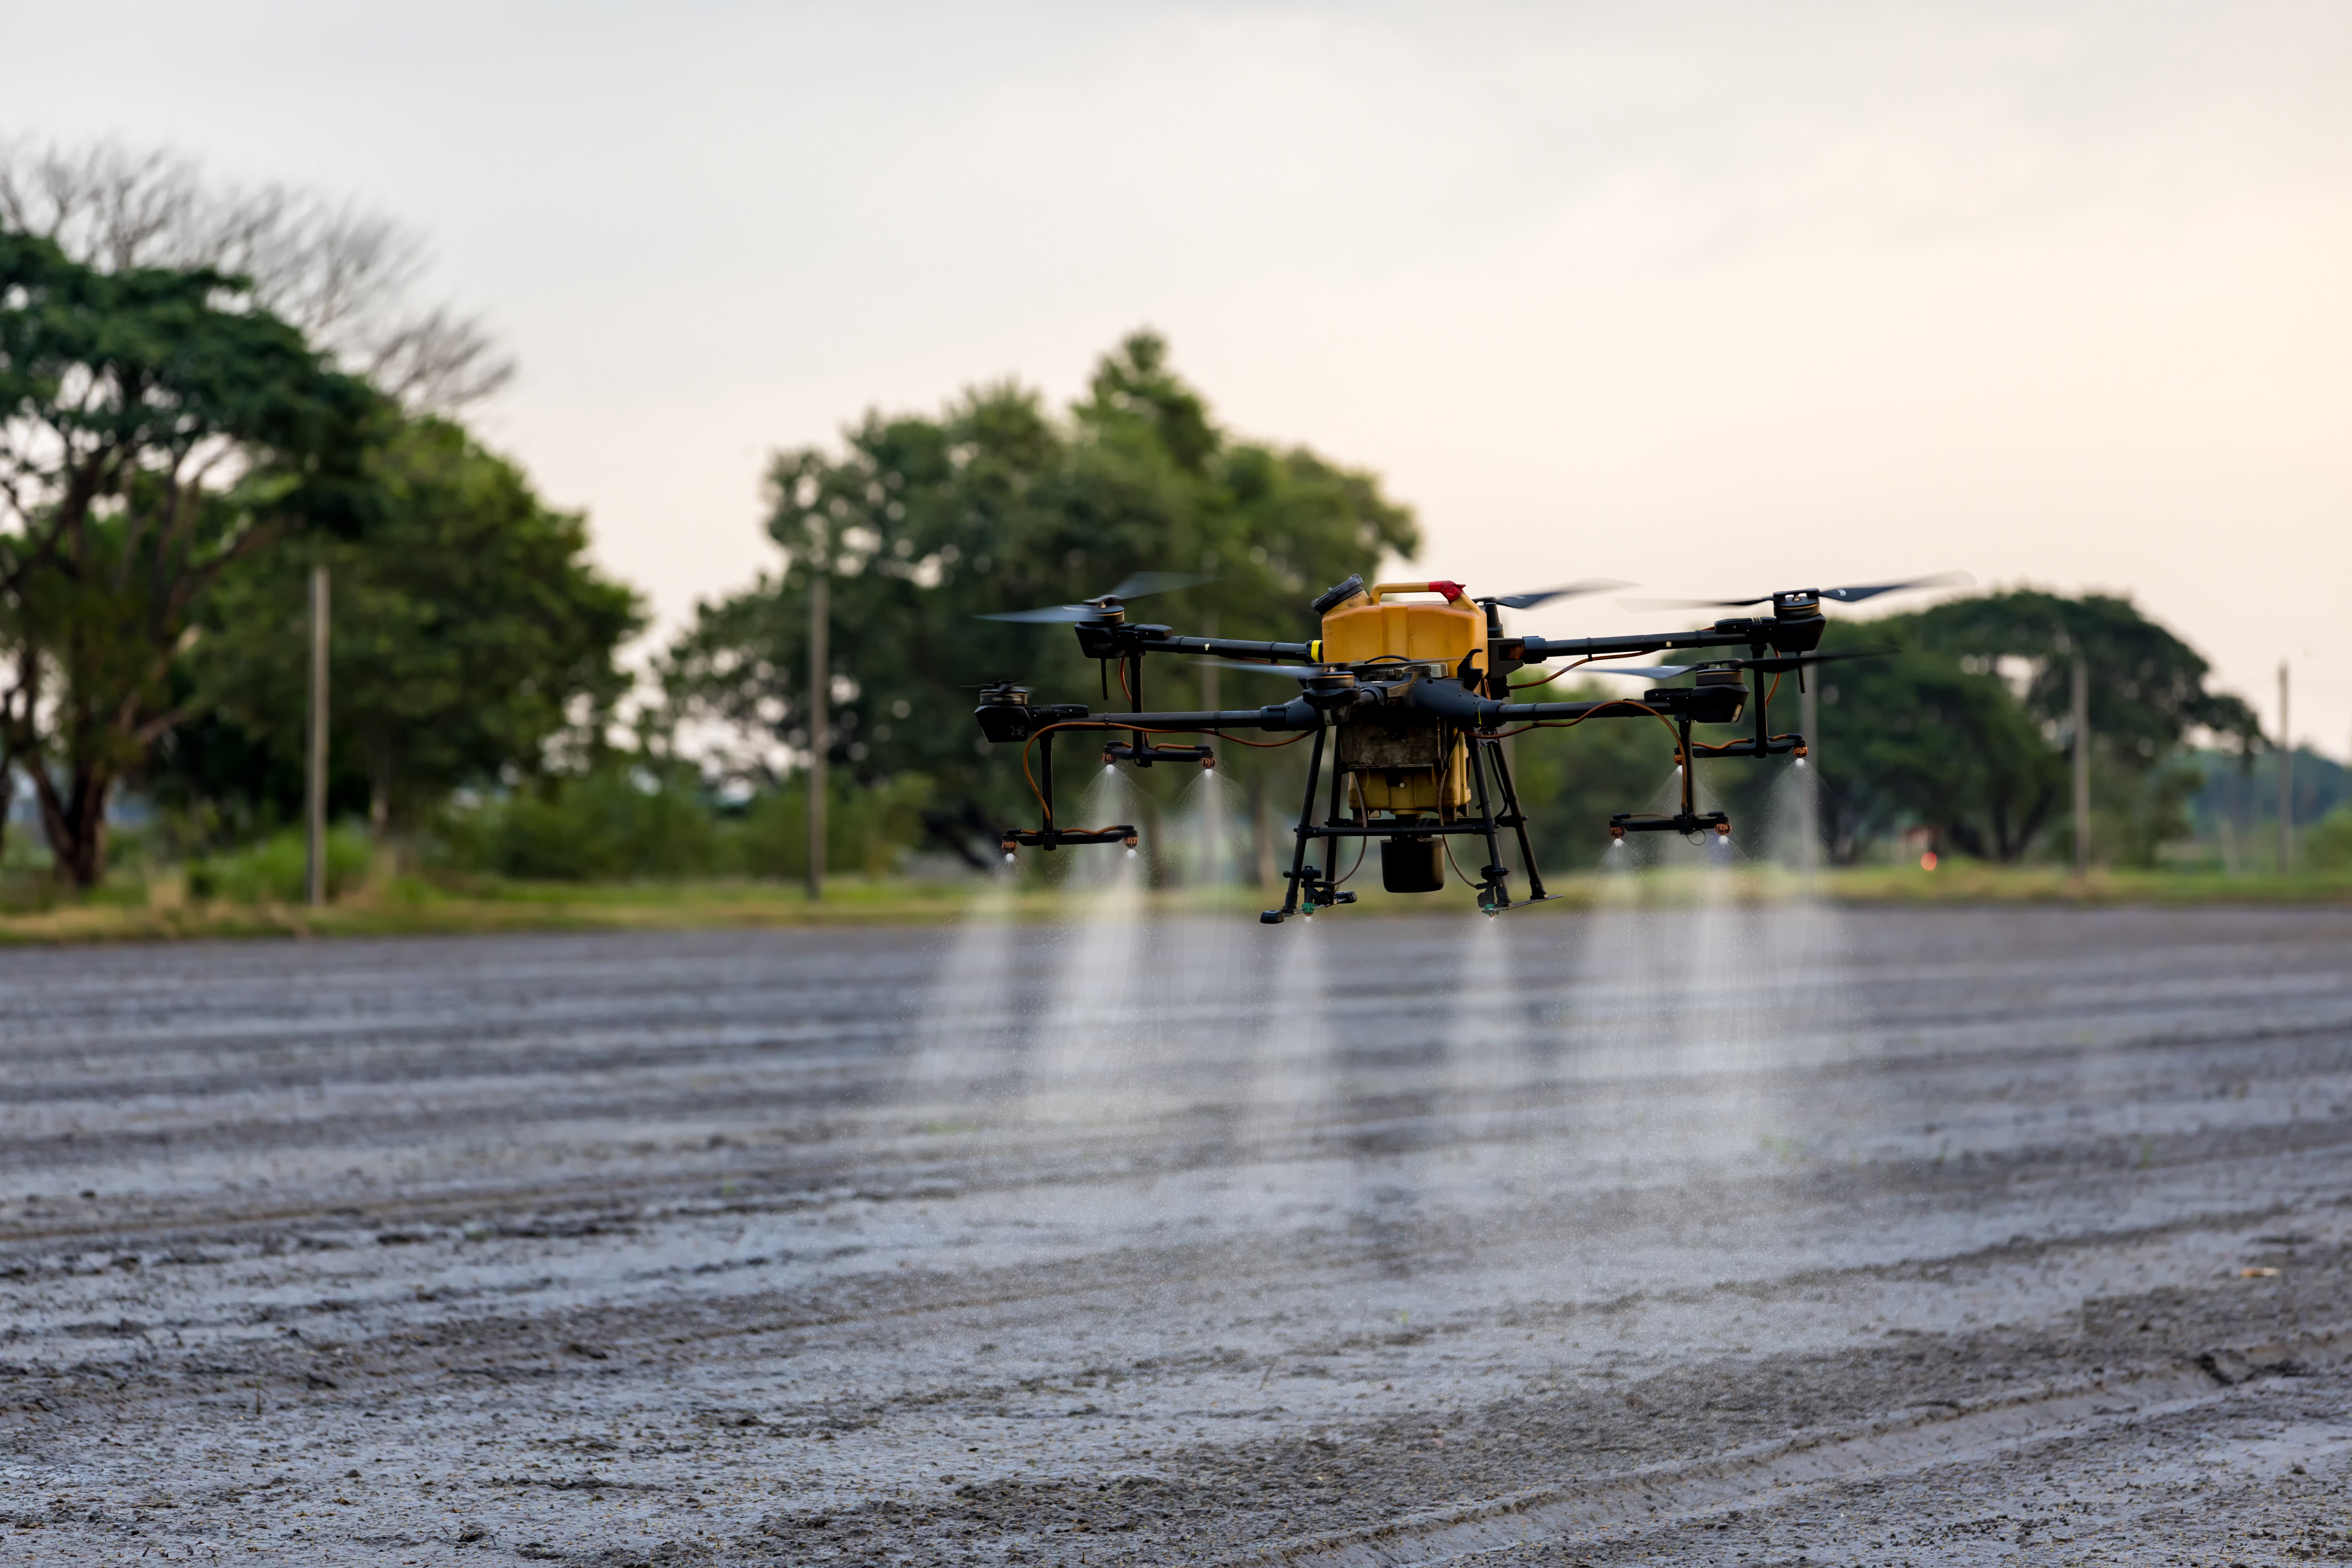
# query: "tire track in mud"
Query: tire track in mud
772,1306
1639,1503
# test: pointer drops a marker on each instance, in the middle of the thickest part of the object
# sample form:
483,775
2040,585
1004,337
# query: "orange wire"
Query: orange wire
1580,664
1769,692
1572,723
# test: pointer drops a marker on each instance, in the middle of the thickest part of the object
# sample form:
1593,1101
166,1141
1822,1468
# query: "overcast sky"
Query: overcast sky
1714,298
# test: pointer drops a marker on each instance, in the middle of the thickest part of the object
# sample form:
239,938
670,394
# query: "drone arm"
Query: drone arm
1294,714
1227,647
1536,650
1126,639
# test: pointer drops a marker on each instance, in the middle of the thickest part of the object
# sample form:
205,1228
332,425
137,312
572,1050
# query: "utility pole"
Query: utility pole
2082,768
314,801
819,725
2286,781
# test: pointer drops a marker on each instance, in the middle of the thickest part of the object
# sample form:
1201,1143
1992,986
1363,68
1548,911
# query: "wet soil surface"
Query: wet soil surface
1935,1236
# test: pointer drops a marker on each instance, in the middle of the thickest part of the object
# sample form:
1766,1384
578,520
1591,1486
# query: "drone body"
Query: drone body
1407,692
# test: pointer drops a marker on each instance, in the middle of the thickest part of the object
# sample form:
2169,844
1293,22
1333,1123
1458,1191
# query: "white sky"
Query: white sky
2058,294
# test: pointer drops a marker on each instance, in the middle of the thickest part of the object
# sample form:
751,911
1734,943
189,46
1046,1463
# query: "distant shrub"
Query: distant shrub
272,870
617,824
2327,846
608,824
866,830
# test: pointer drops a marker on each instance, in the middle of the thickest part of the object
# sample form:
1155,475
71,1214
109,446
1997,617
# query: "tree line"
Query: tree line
206,392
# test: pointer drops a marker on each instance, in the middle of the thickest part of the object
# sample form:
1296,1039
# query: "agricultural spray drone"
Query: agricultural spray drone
1409,689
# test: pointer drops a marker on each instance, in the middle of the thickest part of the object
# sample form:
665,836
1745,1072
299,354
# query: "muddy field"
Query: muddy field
1945,1237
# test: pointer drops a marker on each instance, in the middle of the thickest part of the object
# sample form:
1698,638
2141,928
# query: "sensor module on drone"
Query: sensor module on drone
1408,691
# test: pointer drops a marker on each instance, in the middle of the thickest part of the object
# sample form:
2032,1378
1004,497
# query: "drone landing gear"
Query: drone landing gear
1690,822
1412,852
1308,891
1049,836
1494,897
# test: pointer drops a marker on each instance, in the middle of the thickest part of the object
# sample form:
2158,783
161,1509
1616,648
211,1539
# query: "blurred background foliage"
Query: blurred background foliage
617,823
489,720
1965,728
472,644
927,523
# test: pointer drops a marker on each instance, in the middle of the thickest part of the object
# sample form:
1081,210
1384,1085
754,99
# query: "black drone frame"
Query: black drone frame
1465,702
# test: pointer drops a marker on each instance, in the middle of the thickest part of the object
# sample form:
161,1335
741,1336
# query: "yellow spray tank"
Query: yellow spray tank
1403,763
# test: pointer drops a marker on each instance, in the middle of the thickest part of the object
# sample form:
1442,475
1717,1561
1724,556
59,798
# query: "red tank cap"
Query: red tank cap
1450,590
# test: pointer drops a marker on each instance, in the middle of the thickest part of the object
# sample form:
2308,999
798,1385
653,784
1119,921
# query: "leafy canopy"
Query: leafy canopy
925,522
470,634
1966,728
156,428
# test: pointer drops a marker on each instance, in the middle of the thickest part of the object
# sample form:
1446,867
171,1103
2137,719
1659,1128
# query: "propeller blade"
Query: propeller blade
1138,583
1568,590
1787,662
1848,596
1780,665
1690,604
1871,591
1052,614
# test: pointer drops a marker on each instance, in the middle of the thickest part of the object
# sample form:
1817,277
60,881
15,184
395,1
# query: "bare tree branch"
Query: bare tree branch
342,275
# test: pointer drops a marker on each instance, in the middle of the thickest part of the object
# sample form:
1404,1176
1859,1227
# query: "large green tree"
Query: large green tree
470,641
1966,727
924,523
156,429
